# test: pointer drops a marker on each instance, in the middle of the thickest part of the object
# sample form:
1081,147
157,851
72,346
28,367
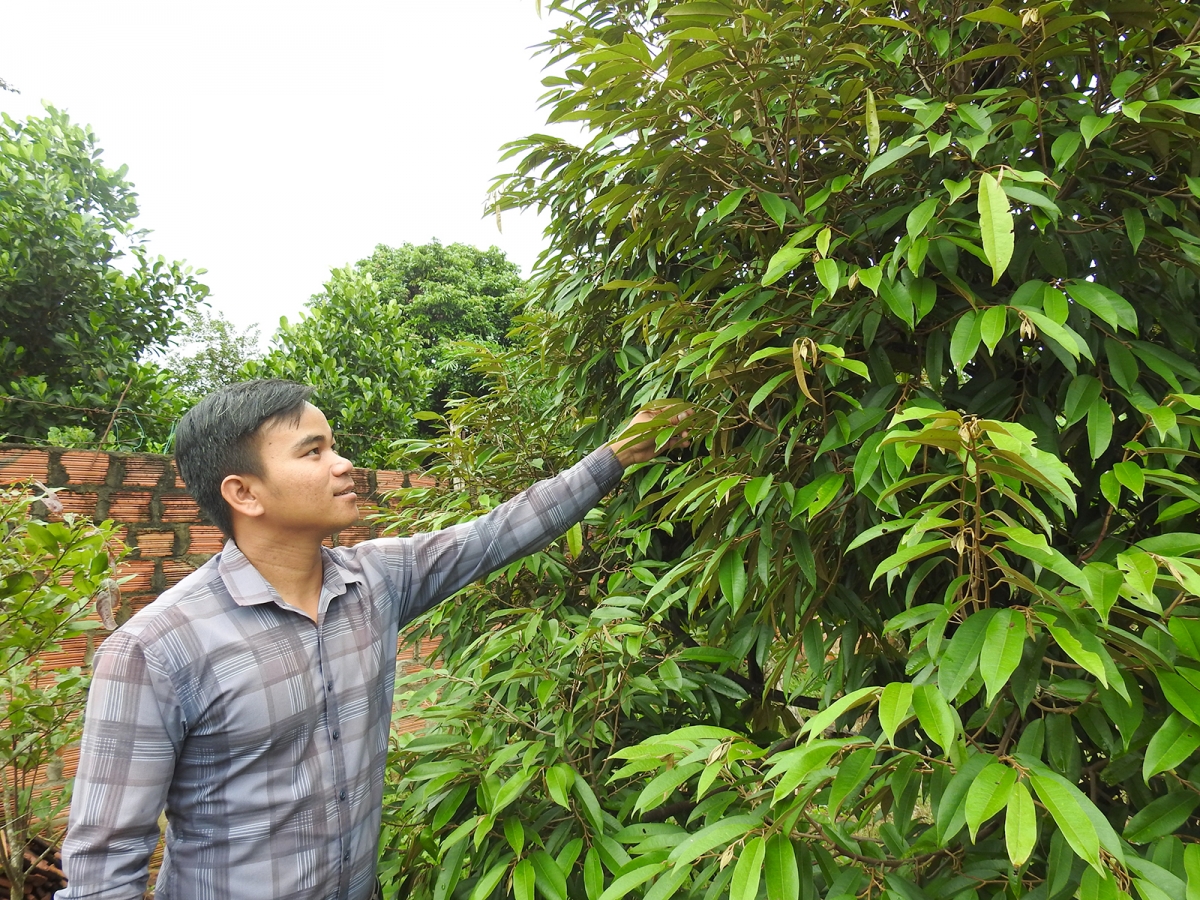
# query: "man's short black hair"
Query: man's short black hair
217,438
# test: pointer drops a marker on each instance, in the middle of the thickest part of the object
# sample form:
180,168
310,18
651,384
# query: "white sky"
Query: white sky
269,141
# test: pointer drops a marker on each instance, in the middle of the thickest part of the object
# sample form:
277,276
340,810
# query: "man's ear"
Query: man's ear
241,492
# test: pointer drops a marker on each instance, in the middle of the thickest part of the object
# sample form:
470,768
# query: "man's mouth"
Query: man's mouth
348,492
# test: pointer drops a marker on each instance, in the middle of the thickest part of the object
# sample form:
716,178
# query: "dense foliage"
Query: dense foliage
919,615
363,364
448,294
49,573
393,336
82,299
209,354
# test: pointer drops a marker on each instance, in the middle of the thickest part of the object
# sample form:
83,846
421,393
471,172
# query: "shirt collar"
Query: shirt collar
247,586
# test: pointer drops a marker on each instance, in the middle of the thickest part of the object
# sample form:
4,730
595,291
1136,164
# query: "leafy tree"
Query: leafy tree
49,574
363,362
447,294
210,353
919,616
82,299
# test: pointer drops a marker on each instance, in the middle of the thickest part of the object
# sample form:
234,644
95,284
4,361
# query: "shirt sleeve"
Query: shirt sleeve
427,568
132,732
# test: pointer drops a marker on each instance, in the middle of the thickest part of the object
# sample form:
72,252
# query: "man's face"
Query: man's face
305,486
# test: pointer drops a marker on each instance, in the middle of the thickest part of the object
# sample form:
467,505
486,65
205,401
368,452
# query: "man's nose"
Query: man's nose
342,465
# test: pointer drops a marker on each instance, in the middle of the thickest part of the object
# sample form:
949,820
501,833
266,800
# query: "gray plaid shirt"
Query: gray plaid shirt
263,734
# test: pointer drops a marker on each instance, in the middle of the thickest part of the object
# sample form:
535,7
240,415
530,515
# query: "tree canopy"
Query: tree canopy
447,294
918,616
393,336
82,299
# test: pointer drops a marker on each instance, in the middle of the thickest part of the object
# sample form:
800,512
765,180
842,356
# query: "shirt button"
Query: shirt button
329,685
346,858
336,734
342,795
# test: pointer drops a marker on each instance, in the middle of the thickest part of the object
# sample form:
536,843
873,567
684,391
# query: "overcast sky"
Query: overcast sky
269,141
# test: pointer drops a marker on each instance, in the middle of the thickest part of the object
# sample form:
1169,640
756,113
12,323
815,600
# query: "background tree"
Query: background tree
82,299
361,358
447,294
920,615
210,353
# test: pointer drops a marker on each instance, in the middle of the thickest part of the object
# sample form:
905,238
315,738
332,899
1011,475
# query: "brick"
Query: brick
23,465
356,534
386,481
155,543
362,483
144,470
175,570
417,480
180,508
179,483
129,506
205,539
409,725
78,503
141,572
85,466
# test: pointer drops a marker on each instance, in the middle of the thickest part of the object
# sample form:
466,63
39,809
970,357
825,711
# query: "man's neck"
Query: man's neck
293,567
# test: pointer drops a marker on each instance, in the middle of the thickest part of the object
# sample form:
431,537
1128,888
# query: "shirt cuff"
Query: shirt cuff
604,467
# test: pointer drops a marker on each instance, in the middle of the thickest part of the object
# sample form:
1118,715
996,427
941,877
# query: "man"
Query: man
252,700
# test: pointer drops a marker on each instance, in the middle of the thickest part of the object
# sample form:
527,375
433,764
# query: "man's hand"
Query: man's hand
637,442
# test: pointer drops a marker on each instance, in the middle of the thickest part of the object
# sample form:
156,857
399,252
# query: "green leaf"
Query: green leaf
827,274
961,656
872,119
773,207
1065,147
575,540
559,779
783,874
712,836
1020,825
1081,394
1191,864
731,202
634,878
965,339
1110,306
587,799
523,880
956,188
1170,745
1181,694
919,217
818,722
895,705
1135,226
1130,474
1001,651
548,877
1068,813
1092,126
1099,427
890,157
485,885
783,262
995,225
748,871
935,715
1161,817
989,793
855,768
992,324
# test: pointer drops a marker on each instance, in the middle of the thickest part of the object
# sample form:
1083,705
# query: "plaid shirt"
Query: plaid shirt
263,734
